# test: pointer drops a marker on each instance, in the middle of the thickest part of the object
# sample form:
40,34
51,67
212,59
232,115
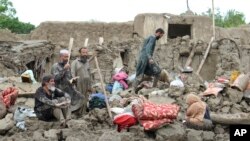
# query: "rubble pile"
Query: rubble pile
19,56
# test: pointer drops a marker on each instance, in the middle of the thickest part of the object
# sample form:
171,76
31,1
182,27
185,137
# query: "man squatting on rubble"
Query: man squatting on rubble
63,80
80,67
146,64
52,103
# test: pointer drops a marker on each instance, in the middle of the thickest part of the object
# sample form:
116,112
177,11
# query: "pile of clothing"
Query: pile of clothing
97,100
7,99
9,96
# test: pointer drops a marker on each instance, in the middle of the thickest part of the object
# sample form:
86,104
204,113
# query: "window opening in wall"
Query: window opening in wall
179,30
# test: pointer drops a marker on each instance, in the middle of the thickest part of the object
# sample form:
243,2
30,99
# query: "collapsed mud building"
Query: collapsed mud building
185,35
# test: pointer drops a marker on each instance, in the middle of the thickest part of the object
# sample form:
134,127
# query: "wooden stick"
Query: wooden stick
70,47
204,57
102,83
86,42
190,57
103,88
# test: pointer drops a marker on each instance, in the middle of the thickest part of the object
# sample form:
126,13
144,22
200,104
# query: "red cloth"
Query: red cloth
120,77
153,116
9,96
124,121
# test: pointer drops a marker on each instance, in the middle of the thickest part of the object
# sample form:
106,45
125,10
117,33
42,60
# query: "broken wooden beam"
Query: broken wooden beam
239,118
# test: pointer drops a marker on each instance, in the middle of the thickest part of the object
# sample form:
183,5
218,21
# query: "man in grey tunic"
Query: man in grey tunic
81,68
146,64
62,75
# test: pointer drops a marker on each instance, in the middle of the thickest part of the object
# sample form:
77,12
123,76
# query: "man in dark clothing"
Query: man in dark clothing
146,64
63,78
52,103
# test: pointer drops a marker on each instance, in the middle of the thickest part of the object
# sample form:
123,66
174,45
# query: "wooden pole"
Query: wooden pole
71,40
204,57
213,19
190,57
103,88
101,79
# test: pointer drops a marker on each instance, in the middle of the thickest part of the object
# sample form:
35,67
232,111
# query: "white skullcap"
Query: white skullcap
64,51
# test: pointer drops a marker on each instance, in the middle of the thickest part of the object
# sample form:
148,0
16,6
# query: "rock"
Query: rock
51,134
219,137
77,124
32,124
38,136
186,37
6,124
244,105
175,91
236,109
126,93
234,95
116,136
161,99
21,100
214,45
225,109
213,103
145,92
172,132
183,42
66,132
219,130
30,102
208,136
137,130
194,135
70,138
227,103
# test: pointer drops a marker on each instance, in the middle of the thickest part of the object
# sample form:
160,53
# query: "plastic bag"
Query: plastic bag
177,83
30,74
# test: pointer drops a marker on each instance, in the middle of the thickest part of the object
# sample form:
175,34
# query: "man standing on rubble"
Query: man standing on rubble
81,68
51,102
146,64
63,80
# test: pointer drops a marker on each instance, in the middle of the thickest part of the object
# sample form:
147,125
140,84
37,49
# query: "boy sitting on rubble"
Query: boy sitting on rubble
51,103
197,114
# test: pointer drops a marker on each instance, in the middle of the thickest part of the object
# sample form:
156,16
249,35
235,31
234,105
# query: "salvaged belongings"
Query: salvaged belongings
197,115
124,121
120,84
212,89
9,96
97,100
20,114
241,82
28,77
153,116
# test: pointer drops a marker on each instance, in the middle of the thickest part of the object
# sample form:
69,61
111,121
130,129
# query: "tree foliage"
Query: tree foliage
9,21
232,18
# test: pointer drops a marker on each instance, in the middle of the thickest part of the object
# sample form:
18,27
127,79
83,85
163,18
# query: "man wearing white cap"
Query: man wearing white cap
62,75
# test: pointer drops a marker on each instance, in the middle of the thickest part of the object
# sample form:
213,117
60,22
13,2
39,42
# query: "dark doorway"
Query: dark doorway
125,57
179,30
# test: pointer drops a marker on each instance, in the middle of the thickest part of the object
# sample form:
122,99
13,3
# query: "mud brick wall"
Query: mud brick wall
60,32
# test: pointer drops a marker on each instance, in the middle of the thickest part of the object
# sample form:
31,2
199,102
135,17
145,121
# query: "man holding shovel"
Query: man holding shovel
63,79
